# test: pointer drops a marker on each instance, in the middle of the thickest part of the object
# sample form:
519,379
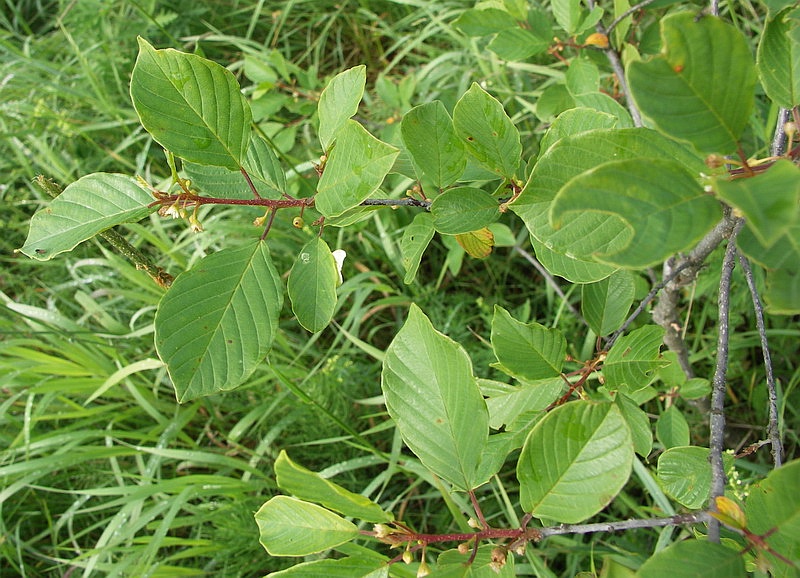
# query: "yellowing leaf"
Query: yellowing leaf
478,243
729,513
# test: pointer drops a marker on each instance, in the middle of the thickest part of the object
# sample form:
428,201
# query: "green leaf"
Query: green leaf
476,22
463,209
88,206
515,44
263,166
633,359
526,350
672,429
507,402
310,486
769,200
351,567
606,304
575,121
663,208
693,558
431,140
292,527
701,88
685,475
568,158
695,388
487,132
191,106
568,15
783,253
638,422
312,285
432,396
570,267
416,237
339,102
582,77
575,461
216,323
355,169
783,292
774,504
778,58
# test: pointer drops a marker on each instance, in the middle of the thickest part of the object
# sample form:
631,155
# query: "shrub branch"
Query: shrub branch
719,383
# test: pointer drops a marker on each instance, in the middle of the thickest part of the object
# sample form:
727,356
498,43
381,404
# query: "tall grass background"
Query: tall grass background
102,473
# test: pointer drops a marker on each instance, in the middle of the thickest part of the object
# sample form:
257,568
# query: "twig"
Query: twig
624,15
648,298
773,431
695,518
117,241
779,138
403,535
396,203
616,65
719,386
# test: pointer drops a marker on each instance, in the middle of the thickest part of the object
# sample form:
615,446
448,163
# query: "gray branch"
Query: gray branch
695,518
773,431
719,383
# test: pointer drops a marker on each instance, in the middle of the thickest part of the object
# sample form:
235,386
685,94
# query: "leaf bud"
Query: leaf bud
714,161
499,557
408,557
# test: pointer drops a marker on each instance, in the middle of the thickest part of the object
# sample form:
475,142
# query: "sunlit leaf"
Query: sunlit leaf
433,398
526,350
218,320
310,486
487,132
778,58
339,102
88,206
355,169
431,140
575,461
292,527
701,88
351,567
580,232
191,106
633,360
312,285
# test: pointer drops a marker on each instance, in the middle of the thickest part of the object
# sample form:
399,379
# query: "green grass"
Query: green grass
102,473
